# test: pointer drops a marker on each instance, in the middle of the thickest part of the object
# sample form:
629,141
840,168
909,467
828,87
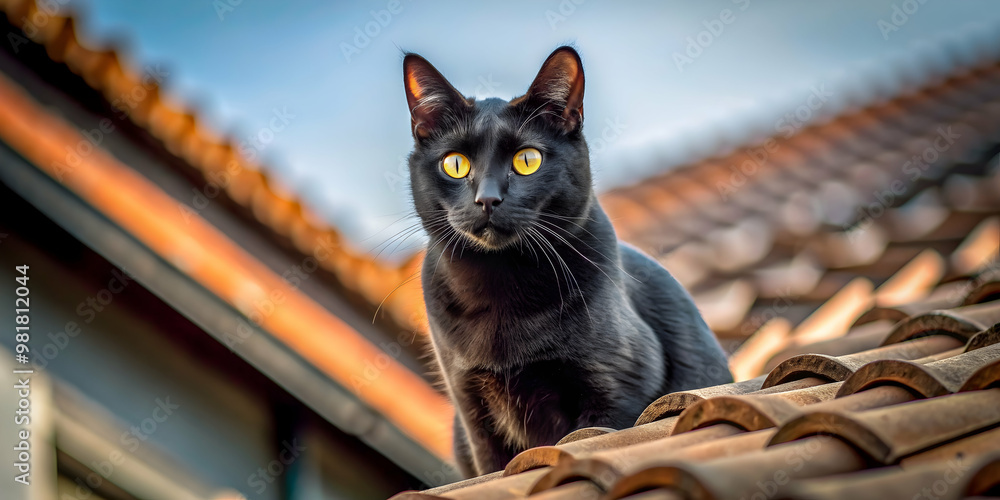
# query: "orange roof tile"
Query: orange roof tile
209,257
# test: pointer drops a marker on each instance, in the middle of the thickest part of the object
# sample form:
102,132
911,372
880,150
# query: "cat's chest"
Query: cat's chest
532,406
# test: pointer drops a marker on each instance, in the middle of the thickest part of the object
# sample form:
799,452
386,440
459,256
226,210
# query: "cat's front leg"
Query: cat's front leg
486,446
463,450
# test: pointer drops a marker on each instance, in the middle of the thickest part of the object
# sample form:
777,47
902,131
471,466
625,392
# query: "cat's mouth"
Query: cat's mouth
490,236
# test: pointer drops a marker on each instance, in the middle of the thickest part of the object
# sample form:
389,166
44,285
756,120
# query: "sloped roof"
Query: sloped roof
208,256
184,134
796,220
725,234
864,296
777,239
886,411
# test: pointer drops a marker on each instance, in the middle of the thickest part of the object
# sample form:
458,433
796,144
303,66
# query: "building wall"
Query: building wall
119,358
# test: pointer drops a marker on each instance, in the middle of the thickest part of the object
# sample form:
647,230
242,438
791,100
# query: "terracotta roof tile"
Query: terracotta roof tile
185,135
815,215
213,260
930,389
839,368
953,479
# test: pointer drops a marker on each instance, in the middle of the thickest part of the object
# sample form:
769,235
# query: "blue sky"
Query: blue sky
646,106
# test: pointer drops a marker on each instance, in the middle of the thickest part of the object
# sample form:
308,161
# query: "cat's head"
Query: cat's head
491,171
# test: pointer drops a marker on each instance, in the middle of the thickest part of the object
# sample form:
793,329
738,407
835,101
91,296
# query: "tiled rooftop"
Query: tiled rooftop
886,411
739,235
831,211
184,134
862,298
867,361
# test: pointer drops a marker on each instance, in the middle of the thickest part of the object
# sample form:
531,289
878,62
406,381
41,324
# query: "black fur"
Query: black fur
541,321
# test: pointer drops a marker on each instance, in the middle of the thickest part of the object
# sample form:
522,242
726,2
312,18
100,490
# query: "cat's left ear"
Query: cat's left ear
429,95
558,88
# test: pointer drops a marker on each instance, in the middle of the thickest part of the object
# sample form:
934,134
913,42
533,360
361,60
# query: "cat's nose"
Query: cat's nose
488,202
489,195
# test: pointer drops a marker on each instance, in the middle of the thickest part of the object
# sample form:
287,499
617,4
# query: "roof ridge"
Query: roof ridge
187,136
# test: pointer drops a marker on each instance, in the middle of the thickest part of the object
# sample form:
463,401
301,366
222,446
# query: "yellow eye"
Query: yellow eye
456,165
527,161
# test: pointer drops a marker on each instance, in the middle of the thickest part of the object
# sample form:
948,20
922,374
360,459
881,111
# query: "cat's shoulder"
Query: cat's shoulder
635,259
646,276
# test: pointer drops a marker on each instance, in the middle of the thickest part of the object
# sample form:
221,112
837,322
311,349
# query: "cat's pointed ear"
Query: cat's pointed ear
558,88
428,94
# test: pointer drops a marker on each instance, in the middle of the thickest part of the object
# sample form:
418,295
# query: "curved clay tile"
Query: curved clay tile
889,433
986,286
985,377
748,442
593,471
654,426
945,480
752,412
674,403
945,296
913,281
544,456
936,378
749,359
961,323
610,467
983,339
494,486
739,476
605,467
979,249
835,316
857,339
839,368
585,433
977,445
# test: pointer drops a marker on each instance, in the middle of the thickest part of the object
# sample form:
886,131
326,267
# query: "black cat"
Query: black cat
541,321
